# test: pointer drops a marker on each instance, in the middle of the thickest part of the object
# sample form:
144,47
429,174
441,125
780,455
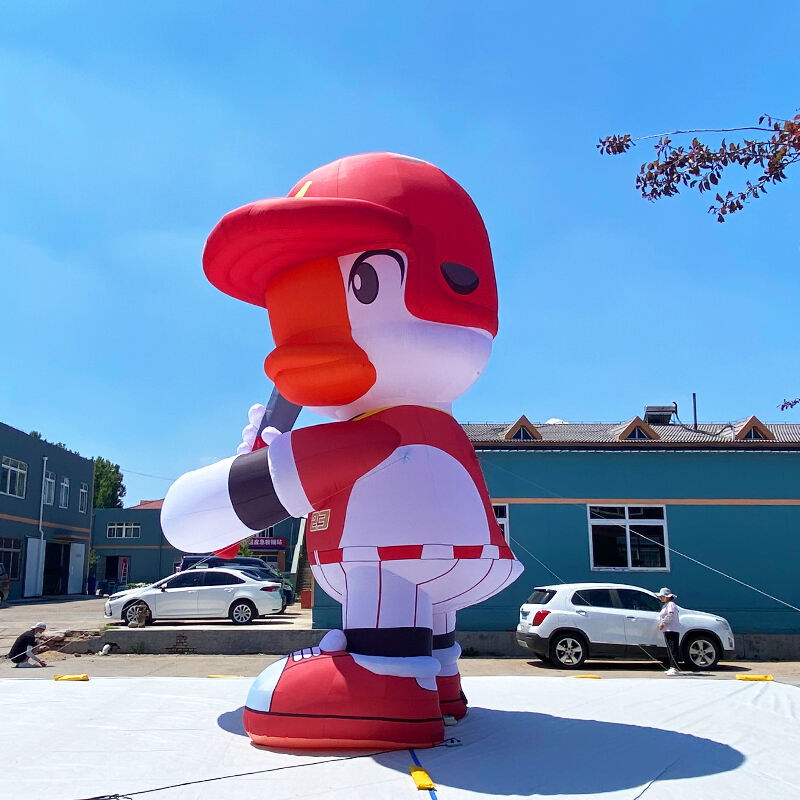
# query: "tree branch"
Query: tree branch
698,166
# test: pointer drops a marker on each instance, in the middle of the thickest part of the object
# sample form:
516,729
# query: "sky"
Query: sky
129,129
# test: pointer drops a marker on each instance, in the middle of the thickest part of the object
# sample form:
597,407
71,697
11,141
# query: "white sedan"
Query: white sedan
198,594
567,623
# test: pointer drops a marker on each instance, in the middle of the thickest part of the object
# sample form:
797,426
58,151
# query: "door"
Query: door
56,568
75,579
178,596
33,568
602,621
641,620
216,594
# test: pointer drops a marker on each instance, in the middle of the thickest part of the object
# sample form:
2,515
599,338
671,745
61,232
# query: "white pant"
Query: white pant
415,593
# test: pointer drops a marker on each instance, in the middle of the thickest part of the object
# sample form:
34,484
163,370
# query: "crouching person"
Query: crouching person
23,650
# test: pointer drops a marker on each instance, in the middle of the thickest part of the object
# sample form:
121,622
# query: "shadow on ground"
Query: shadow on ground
526,753
633,666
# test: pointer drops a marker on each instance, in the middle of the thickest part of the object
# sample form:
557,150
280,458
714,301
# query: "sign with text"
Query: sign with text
267,543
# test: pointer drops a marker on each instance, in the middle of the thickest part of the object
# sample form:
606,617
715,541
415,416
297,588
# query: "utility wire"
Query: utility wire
146,474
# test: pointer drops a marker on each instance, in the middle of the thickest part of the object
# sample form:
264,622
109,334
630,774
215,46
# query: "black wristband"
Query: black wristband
252,492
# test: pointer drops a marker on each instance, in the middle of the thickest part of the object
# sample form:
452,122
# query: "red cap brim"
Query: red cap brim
252,244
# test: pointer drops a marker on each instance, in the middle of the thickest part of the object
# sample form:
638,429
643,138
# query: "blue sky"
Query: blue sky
129,129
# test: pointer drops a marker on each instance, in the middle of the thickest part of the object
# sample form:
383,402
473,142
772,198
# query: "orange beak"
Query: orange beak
316,362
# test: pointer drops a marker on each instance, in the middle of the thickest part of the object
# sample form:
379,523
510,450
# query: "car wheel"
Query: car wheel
131,612
701,651
568,650
242,612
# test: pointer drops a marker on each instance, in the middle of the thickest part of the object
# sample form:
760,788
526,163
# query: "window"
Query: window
637,433
185,580
628,537
14,477
123,530
522,435
638,601
540,597
754,433
49,488
596,598
83,499
63,493
10,556
221,579
501,515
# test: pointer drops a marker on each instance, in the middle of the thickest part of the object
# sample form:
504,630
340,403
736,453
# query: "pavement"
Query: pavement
86,614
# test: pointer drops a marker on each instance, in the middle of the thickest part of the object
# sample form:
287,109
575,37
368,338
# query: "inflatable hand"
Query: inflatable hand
251,439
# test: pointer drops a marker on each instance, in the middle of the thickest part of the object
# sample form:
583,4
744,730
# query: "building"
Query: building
45,515
643,502
130,547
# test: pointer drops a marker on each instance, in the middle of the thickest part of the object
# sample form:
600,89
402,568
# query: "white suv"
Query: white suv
567,623
199,593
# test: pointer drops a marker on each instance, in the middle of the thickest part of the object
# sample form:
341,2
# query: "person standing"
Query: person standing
669,625
22,651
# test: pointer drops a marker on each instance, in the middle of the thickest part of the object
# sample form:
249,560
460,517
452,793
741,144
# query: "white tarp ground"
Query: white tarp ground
523,737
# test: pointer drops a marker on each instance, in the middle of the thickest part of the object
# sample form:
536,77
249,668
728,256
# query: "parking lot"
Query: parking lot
86,614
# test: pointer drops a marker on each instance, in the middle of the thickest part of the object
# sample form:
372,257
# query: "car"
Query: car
199,594
5,583
240,562
566,624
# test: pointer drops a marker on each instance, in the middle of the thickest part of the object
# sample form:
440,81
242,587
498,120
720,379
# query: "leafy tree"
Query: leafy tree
108,486
700,166
244,550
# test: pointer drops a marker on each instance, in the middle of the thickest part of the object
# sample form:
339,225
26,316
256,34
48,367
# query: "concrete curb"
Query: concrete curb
244,641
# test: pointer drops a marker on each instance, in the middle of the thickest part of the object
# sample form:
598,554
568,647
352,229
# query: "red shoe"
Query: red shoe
315,700
452,701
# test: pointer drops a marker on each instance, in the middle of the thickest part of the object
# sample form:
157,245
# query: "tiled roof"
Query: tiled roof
714,433
150,504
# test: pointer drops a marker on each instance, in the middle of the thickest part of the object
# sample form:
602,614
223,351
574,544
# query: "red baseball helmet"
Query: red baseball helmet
366,202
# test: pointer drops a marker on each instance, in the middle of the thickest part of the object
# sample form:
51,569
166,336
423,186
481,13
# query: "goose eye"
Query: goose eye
364,283
460,279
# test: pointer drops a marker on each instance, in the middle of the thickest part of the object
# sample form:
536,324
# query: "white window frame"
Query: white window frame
502,521
62,486
20,468
83,498
123,530
626,522
12,547
49,488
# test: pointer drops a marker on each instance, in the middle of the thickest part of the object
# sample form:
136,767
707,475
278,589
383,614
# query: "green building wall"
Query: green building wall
151,556
737,511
